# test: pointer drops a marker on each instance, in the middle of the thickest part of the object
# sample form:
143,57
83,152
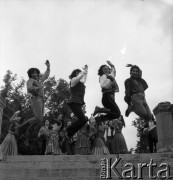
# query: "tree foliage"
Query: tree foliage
142,142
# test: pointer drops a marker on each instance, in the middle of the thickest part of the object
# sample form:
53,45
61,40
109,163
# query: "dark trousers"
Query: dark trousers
152,140
108,101
77,111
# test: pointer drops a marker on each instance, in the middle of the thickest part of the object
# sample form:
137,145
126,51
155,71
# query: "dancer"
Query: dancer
99,145
109,135
78,78
53,146
9,145
135,88
35,87
109,87
151,131
119,144
43,134
83,145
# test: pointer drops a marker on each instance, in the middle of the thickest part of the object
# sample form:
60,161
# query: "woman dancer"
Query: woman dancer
99,145
83,145
78,78
109,87
53,139
119,144
9,145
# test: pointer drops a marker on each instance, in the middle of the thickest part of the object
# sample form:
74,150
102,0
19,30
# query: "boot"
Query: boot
100,110
128,110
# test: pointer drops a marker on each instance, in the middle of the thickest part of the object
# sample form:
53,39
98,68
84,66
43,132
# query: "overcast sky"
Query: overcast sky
73,33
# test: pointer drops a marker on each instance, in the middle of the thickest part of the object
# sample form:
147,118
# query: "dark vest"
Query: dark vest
77,93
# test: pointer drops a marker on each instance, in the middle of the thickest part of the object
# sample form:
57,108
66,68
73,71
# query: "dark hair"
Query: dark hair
59,123
100,71
32,70
74,72
134,67
122,119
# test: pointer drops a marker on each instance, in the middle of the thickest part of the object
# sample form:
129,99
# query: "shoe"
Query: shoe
128,111
96,110
100,110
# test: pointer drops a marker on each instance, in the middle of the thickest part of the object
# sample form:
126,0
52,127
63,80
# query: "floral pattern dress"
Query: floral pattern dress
53,143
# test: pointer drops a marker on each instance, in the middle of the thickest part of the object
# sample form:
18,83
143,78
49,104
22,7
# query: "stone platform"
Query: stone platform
64,167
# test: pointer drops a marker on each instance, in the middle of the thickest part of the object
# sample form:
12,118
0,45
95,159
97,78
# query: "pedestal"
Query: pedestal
164,120
2,106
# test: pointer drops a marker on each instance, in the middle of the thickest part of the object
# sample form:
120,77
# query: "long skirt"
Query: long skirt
119,144
53,148
9,145
99,147
83,145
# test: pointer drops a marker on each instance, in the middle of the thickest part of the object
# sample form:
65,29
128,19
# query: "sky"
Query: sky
73,33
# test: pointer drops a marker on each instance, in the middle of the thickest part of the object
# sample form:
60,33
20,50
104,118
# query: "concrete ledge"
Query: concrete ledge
66,167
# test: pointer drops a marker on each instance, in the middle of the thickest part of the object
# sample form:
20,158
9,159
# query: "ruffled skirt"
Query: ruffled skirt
83,145
119,144
99,147
9,145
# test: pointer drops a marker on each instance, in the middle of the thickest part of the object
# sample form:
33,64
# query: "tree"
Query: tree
142,142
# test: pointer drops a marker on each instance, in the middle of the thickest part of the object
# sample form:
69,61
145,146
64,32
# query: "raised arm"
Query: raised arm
81,77
113,70
47,72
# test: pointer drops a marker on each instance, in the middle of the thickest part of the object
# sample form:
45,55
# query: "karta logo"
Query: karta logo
110,169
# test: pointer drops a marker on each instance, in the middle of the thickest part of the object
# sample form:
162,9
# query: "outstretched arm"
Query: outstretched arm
47,72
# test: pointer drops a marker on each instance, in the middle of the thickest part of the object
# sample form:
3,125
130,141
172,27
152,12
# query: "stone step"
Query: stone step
65,167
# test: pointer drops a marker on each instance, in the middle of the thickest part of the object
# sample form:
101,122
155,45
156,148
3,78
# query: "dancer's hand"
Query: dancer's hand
110,64
85,68
129,65
47,63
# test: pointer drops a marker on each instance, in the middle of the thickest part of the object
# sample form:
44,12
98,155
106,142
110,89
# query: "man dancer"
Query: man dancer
135,88
35,87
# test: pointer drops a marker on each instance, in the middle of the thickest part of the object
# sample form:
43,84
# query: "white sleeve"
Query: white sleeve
75,80
104,82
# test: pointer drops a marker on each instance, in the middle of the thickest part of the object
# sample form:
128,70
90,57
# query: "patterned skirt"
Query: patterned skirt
9,145
99,147
83,145
53,148
119,144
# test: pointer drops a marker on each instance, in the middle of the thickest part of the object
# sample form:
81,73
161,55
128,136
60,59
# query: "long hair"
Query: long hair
74,72
122,119
135,67
32,70
100,71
